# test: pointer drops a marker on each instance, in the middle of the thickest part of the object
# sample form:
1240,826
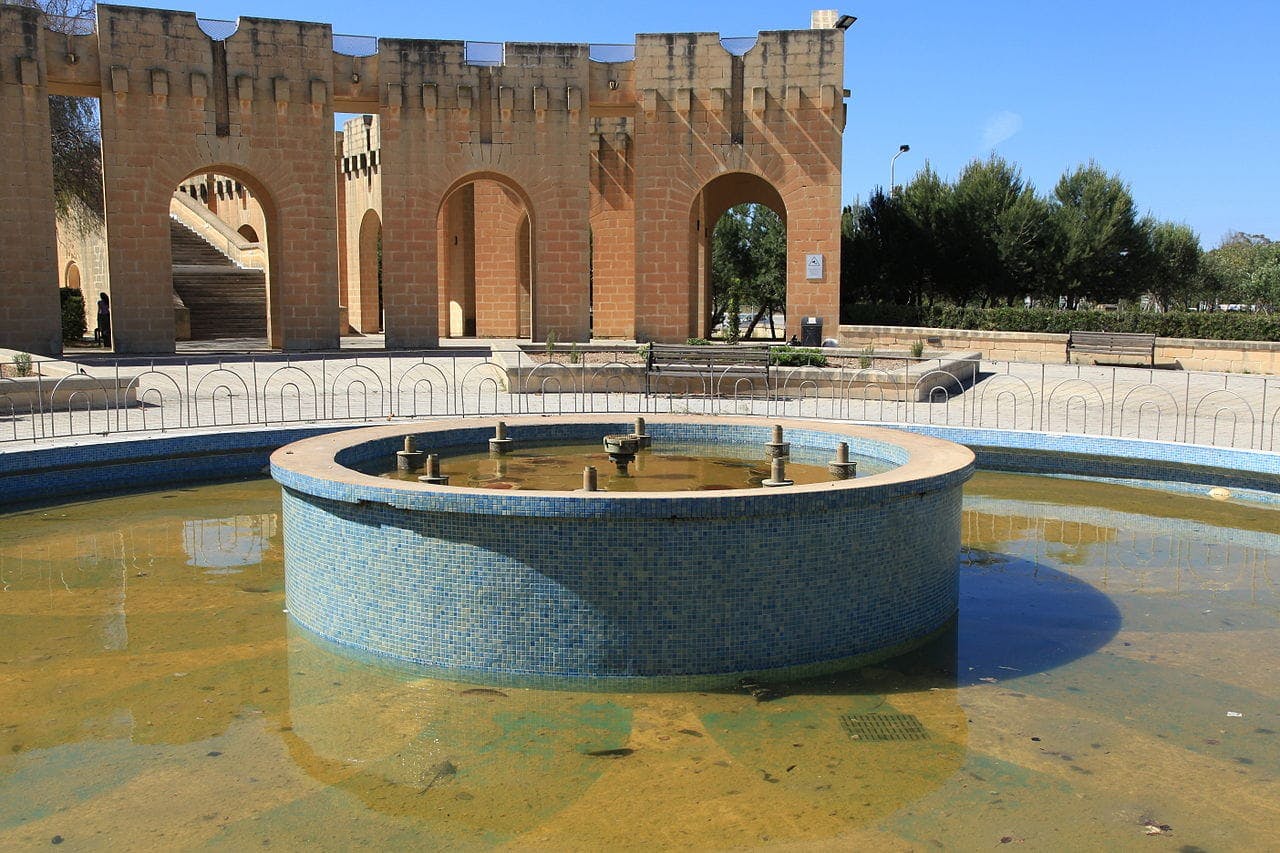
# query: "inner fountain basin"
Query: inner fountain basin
634,591
670,466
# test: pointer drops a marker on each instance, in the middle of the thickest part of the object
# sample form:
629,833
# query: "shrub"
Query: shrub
1210,325
788,356
917,348
868,353
73,322
697,342
22,364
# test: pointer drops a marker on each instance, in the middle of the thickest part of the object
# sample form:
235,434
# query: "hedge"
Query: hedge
74,324
1216,325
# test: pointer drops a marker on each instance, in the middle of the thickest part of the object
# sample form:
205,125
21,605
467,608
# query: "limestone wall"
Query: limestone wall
255,106
1261,357
646,150
30,318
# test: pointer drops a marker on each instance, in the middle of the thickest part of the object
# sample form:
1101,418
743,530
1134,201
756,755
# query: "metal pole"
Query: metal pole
902,149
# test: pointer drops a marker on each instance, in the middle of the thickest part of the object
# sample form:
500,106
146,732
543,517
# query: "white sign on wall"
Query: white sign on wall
813,267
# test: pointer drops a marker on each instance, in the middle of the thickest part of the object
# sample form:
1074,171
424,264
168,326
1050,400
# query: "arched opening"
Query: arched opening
364,288
485,260
219,230
71,276
739,225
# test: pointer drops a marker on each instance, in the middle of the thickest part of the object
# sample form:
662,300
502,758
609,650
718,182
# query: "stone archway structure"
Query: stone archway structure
620,142
486,258
712,202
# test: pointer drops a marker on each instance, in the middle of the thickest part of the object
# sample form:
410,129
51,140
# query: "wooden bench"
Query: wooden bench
1113,345
709,364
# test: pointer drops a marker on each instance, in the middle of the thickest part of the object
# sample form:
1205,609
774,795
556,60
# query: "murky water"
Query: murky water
1113,674
672,468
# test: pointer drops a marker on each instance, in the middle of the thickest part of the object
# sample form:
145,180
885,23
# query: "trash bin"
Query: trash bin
811,332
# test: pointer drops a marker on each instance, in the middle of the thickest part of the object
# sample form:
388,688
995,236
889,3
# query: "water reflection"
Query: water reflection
1086,682
224,543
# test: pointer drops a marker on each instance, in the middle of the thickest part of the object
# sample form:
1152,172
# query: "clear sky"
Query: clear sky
1182,100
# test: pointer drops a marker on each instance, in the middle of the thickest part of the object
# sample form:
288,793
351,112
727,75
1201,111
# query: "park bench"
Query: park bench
709,364
1113,346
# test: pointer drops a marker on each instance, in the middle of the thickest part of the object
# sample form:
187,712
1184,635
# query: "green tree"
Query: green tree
1103,247
1263,287
931,238
1175,275
1228,268
748,267
1002,228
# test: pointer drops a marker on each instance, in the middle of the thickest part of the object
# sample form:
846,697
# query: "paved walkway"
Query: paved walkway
225,384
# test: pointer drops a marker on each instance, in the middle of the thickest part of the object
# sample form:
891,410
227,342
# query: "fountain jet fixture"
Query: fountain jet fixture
778,471
409,459
433,477
622,450
589,483
777,449
500,443
645,438
840,467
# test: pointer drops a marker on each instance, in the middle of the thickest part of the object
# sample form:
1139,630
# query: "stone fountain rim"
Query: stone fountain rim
310,466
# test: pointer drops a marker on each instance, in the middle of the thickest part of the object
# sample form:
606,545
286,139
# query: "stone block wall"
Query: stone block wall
619,170
255,108
30,316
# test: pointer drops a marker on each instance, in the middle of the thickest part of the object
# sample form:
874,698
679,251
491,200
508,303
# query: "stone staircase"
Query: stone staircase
223,300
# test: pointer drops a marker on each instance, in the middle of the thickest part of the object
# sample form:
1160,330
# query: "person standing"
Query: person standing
104,319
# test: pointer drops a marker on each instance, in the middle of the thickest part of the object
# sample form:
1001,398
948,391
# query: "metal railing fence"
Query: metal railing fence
1225,410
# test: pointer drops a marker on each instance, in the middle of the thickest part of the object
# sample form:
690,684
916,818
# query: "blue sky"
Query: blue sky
1181,100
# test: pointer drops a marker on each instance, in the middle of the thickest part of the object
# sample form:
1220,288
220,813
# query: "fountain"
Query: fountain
622,450
624,590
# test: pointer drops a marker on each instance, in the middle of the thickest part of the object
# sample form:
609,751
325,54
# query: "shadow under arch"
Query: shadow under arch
265,200
486,270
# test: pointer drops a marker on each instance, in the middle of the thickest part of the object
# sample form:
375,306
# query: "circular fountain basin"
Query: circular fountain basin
632,590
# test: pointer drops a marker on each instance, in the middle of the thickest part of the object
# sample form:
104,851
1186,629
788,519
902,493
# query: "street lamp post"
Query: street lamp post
902,149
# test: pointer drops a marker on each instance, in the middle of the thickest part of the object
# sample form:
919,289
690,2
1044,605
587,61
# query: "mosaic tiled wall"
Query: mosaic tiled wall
667,588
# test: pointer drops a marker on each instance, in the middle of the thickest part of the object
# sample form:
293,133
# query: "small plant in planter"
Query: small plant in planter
789,356
867,356
917,348
551,343
574,355
22,364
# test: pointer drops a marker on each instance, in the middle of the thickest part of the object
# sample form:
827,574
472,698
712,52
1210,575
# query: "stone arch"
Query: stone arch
716,198
270,278
248,233
71,276
364,295
486,287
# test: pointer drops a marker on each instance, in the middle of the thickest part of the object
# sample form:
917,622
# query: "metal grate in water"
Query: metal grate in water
883,727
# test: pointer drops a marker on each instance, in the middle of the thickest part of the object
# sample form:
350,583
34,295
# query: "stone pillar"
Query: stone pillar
30,315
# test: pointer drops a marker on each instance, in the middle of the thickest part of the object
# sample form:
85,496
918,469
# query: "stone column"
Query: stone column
30,317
